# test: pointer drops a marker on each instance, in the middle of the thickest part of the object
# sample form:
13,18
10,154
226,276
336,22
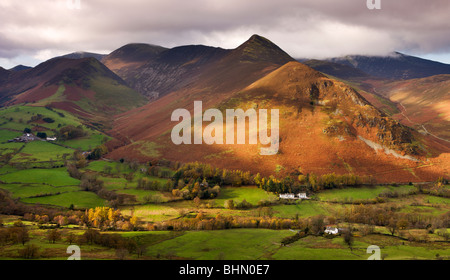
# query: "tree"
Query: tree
317,225
403,224
23,235
229,204
197,202
53,235
141,250
244,205
348,237
98,152
134,221
91,236
71,132
29,252
42,135
121,253
71,238
392,226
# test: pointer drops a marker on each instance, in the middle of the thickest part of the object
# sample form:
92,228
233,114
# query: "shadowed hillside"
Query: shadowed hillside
395,66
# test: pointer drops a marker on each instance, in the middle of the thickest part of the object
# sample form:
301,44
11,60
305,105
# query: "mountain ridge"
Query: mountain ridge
396,66
82,86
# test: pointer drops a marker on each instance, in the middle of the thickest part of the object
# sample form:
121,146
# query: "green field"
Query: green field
112,183
318,248
19,117
86,143
100,165
349,194
264,244
41,151
28,190
54,177
6,135
222,244
153,212
305,208
260,244
238,194
80,199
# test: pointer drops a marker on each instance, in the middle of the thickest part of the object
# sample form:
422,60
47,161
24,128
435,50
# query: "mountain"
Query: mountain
82,86
423,104
19,68
396,66
129,58
317,114
78,55
131,54
212,82
169,70
420,103
155,71
338,70
4,74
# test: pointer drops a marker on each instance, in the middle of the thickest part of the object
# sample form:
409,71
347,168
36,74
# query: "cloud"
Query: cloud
320,28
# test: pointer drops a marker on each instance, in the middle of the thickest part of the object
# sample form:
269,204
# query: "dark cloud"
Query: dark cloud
319,28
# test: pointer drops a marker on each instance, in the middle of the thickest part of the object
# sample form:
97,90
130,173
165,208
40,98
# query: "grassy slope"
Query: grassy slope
55,177
360,193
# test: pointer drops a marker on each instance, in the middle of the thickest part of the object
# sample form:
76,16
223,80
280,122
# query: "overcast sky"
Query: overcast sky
32,31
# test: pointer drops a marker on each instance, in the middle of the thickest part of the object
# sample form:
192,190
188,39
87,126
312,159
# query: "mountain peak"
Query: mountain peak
256,41
135,52
81,54
258,48
19,67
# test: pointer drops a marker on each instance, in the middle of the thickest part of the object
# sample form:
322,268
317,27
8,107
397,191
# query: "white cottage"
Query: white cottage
293,196
331,230
302,196
287,196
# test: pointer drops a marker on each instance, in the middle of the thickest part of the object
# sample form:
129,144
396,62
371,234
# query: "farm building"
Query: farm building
293,196
331,230
26,137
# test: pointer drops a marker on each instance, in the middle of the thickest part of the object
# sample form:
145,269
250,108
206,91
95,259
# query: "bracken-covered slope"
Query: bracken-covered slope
82,86
325,125
420,103
423,104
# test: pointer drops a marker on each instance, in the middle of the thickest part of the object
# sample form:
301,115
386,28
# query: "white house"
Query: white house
302,196
331,230
287,196
293,196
